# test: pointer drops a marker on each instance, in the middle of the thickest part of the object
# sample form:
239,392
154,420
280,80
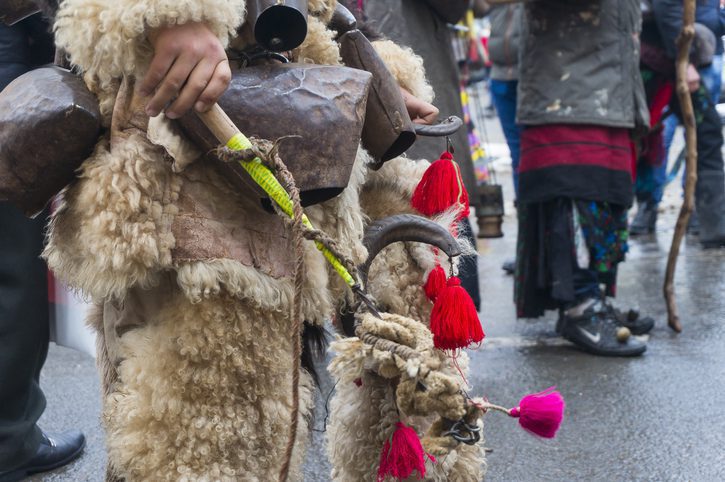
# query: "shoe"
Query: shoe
645,220
54,451
592,328
637,325
509,266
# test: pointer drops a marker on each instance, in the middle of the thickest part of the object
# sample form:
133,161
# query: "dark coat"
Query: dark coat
505,40
580,64
668,18
415,24
24,46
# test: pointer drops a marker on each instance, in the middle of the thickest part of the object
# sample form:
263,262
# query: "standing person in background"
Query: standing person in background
24,311
423,26
580,94
661,27
503,45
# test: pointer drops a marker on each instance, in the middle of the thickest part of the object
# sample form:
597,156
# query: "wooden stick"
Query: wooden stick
688,116
219,123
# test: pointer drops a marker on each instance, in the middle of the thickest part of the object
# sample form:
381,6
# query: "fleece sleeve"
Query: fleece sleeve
406,67
107,39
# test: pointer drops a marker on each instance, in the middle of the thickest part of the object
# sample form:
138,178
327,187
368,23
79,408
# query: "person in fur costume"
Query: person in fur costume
191,279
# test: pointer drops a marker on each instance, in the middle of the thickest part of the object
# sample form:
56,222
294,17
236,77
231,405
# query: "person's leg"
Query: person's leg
24,317
23,302
23,335
650,184
710,190
468,266
587,321
503,93
648,191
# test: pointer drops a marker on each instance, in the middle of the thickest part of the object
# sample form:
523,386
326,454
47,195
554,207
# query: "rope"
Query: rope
405,352
298,230
240,149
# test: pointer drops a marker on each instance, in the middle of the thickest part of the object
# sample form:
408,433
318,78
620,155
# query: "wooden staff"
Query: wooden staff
688,116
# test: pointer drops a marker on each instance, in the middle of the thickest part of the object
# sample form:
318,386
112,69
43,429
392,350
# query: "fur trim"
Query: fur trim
406,67
205,280
319,47
94,321
107,38
322,9
368,411
204,393
112,230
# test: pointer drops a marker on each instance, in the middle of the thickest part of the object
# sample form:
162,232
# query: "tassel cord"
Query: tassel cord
485,406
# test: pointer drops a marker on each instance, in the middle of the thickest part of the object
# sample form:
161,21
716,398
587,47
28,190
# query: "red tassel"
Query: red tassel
541,413
435,283
441,188
454,321
403,456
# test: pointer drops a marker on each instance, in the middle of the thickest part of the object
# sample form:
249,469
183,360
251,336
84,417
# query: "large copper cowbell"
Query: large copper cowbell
278,25
319,111
49,123
388,131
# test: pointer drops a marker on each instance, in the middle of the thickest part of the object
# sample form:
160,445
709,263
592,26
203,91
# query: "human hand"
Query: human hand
420,112
692,78
189,67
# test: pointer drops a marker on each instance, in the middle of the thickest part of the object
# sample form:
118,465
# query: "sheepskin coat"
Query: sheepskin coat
191,279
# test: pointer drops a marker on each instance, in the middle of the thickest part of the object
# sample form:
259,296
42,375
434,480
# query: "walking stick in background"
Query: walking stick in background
688,116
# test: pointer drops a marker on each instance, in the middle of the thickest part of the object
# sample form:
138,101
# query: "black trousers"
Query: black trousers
24,332
24,307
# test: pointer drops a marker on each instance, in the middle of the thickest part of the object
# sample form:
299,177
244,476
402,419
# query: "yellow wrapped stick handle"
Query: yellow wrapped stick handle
222,127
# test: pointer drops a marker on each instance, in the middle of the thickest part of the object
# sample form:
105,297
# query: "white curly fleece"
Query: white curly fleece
113,43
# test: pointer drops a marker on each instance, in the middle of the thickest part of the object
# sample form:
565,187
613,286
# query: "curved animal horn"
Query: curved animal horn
446,128
342,20
405,227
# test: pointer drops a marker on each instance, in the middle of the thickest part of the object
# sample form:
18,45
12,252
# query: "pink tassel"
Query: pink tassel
435,283
540,413
402,455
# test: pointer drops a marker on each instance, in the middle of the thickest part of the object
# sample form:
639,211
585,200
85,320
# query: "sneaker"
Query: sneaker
645,220
637,325
509,266
592,328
